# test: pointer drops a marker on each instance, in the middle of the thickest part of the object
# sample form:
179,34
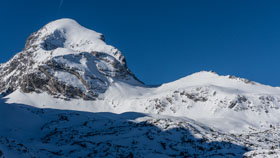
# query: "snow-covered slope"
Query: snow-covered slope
65,67
32,132
29,132
225,102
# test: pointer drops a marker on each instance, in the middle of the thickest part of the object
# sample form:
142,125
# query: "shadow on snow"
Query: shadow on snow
66,133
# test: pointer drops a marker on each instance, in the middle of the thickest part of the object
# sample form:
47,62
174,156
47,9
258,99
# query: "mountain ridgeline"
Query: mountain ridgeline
73,95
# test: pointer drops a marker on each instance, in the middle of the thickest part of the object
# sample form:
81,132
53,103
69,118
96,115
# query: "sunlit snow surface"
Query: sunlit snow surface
230,105
201,115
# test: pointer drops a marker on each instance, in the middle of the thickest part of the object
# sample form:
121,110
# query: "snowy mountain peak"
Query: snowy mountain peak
204,74
207,78
69,25
67,66
67,33
72,28
66,60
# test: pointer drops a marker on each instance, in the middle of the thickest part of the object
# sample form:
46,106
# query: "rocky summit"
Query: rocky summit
65,60
69,94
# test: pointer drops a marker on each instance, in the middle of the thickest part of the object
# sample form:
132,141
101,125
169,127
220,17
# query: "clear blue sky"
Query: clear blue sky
165,40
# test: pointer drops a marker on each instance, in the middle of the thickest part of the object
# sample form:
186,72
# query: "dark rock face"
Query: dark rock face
13,71
242,79
53,41
19,73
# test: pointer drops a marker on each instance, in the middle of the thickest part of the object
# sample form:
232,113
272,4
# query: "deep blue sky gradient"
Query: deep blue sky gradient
165,40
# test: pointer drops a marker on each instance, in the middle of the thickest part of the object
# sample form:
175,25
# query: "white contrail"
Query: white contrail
59,7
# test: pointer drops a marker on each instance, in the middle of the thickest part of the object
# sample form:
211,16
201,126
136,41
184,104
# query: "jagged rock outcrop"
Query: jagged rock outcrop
65,60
